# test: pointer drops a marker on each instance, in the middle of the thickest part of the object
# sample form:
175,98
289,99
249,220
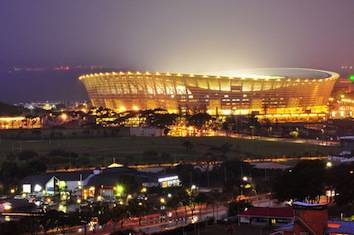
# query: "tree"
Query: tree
10,174
236,207
11,228
198,120
209,158
51,220
215,198
202,199
341,179
233,171
223,150
30,225
27,155
119,213
161,120
135,208
36,167
306,181
184,199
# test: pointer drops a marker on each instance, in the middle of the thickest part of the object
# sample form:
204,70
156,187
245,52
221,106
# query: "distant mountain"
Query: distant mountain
48,85
9,110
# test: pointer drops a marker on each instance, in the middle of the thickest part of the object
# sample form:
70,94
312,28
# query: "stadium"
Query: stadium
287,94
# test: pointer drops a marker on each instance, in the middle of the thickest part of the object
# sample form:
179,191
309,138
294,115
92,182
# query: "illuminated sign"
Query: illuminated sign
351,77
167,179
37,188
170,181
26,188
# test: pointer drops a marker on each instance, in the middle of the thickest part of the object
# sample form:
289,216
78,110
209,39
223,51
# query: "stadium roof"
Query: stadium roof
260,73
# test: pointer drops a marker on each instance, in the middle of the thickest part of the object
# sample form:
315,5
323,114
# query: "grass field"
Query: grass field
152,149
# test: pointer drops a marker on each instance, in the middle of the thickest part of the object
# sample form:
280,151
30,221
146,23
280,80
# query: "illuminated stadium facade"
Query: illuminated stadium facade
282,94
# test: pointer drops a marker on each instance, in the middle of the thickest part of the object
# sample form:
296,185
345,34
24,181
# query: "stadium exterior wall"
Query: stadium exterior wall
282,93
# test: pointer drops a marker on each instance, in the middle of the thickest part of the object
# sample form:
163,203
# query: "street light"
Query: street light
329,164
7,206
64,117
119,190
245,178
143,190
162,200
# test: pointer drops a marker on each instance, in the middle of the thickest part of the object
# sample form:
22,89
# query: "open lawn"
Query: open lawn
161,149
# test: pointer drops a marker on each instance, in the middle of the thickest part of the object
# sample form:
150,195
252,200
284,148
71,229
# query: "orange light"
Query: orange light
331,225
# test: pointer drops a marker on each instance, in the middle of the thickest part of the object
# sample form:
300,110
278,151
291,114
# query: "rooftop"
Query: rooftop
64,176
304,205
282,212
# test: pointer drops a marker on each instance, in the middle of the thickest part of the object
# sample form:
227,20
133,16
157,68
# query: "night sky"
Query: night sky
197,36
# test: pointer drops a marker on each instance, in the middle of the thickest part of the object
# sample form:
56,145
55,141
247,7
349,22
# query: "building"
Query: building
312,219
284,94
110,182
168,181
52,183
20,122
342,107
266,216
347,146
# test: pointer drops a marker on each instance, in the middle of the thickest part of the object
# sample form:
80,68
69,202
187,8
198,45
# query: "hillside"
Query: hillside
9,110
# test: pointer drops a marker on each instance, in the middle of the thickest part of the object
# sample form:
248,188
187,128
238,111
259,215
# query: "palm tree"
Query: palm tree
184,198
225,149
200,200
215,197
210,159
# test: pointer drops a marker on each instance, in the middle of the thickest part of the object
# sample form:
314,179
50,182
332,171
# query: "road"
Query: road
288,140
153,223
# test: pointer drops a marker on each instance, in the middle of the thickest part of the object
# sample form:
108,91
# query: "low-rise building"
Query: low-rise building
313,219
266,216
52,183
347,145
116,181
20,122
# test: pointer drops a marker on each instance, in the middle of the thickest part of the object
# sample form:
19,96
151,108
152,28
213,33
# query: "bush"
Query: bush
27,155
